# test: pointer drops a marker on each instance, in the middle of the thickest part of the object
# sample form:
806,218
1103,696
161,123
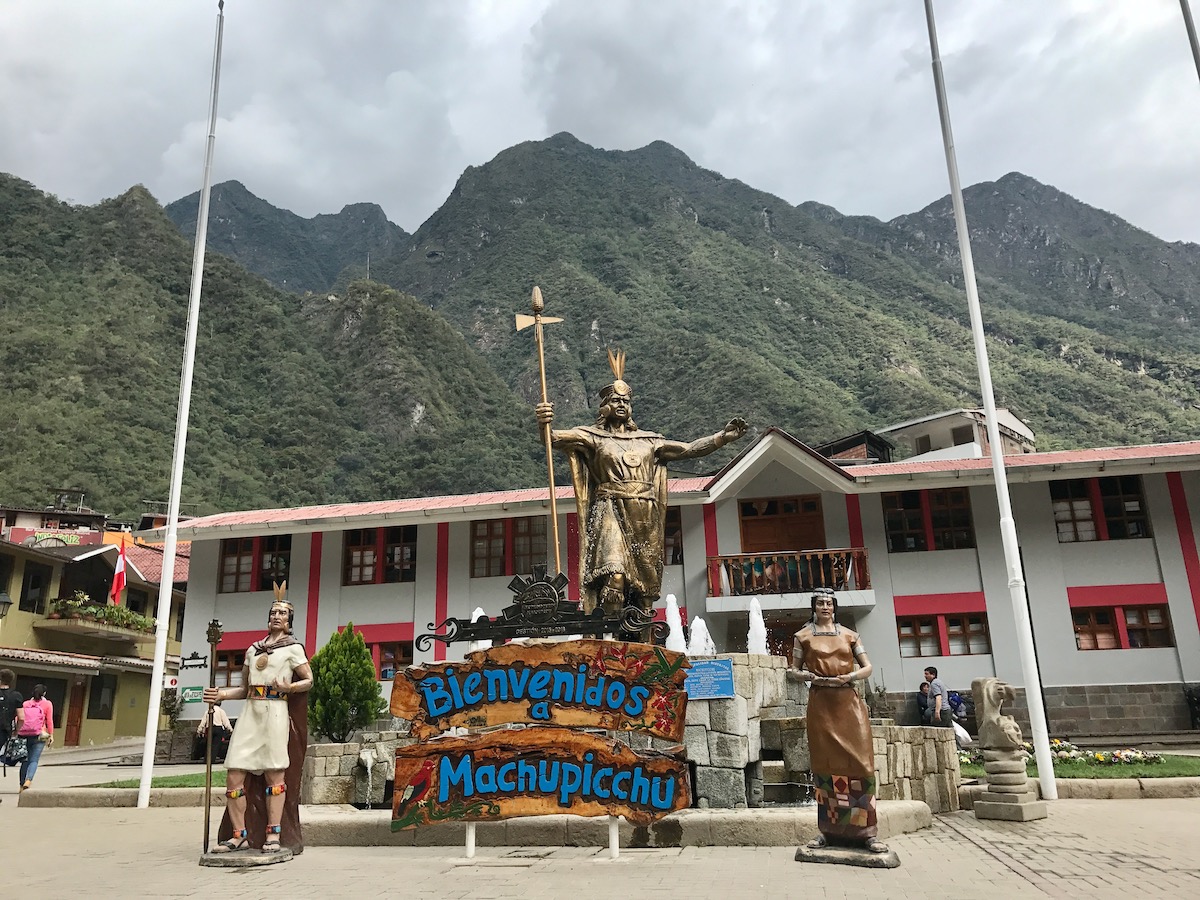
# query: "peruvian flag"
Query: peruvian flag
118,584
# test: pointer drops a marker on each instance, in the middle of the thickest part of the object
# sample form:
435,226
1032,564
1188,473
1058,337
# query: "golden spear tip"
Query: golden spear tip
538,303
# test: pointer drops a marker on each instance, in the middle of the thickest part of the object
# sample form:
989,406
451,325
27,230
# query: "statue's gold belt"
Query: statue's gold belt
626,490
264,692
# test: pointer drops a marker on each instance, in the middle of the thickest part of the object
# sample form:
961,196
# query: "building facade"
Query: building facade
94,656
1108,540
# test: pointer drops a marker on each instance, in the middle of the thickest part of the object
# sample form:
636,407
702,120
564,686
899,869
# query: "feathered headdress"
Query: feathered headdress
616,362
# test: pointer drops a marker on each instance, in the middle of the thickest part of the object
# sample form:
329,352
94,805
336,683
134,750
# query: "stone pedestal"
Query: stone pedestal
848,856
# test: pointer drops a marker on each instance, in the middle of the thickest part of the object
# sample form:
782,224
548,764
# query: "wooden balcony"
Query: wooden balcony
788,572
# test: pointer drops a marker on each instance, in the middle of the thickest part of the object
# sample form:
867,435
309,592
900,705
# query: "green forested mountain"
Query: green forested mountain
291,252
295,400
728,301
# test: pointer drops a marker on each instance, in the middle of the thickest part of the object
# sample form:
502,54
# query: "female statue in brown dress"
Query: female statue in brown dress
839,728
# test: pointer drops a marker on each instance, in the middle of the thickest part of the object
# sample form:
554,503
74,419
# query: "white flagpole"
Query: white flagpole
167,583
1008,531
1191,32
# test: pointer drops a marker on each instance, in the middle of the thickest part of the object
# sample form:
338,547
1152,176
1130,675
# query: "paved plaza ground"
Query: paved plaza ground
1100,848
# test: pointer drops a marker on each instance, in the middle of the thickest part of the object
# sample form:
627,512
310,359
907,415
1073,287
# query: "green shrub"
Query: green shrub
345,694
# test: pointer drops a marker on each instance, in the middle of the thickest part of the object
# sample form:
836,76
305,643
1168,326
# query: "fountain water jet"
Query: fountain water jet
701,644
675,639
756,637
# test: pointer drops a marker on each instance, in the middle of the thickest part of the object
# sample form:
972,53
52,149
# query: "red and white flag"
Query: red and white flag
118,584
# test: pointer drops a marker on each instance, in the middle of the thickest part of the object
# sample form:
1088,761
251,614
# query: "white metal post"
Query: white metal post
167,584
1008,531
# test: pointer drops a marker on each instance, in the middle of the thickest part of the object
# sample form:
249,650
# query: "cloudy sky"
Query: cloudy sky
328,103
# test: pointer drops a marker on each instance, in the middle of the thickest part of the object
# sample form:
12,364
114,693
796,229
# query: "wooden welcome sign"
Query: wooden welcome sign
590,683
532,772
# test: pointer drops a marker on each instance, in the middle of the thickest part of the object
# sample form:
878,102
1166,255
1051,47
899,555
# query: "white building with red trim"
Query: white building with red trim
1108,539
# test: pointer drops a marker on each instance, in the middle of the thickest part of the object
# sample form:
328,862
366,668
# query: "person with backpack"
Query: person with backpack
38,731
11,713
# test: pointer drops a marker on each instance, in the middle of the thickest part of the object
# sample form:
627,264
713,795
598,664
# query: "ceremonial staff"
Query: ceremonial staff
537,320
214,637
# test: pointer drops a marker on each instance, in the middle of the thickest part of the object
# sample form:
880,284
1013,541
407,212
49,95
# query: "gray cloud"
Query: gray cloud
325,104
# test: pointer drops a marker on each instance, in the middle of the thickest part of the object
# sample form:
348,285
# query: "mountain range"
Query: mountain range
314,384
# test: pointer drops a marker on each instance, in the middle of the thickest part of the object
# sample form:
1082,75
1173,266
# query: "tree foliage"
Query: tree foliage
345,695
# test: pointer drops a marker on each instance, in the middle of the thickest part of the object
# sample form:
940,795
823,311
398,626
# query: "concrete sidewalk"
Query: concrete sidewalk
1101,848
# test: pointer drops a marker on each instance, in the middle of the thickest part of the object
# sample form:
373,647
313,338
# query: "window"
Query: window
1148,626
34,587
137,601
673,538
102,697
177,634
1095,629
918,637
1072,506
1099,509
968,635
1122,627
508,546
252,563
366,548
7,566
391,658
923,520
950,634
963,434
229,668
923,444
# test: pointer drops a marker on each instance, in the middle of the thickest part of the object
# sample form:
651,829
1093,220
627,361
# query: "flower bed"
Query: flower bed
1068,752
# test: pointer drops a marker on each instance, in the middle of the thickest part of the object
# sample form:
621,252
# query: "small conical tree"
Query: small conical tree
345,694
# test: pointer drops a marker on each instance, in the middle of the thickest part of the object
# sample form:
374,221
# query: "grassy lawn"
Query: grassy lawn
1170,767
170,781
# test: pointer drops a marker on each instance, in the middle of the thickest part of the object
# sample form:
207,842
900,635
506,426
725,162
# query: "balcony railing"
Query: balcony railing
788,573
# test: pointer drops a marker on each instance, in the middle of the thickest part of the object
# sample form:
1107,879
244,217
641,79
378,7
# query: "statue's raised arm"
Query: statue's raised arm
620,478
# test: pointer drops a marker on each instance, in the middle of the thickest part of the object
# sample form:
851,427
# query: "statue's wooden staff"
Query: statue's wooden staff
214,637
537,320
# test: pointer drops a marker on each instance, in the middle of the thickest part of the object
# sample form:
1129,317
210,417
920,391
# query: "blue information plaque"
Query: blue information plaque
710,679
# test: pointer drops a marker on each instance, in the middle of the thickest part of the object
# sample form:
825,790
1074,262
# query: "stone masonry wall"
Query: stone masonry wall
1076,711
334,773
917,763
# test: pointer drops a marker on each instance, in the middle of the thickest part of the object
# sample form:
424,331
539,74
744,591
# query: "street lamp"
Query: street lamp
5,603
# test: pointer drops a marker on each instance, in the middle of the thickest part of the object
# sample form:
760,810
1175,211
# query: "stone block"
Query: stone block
730,716
722,788
1011,812
1017,779
774,772
347,765
793,740
728,750
768,730
743,682
774,692
882,774
739,659
368,737
444,834
1167,788
993,797
369,790
697,713
538,831
695,742
329,790
774,829
325,749
754,739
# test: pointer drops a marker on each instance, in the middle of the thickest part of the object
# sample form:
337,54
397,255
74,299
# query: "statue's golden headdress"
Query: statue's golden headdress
616,362
282,600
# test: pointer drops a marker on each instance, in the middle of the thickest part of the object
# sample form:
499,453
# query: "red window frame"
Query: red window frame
505,547
935,519
1110,499
386,555
251,563
230,663
1120,603
917,611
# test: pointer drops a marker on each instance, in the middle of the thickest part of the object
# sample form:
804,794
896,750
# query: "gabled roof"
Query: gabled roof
148,561
76,553
772,446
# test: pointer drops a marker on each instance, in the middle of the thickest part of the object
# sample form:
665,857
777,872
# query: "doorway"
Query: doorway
775,524
75,713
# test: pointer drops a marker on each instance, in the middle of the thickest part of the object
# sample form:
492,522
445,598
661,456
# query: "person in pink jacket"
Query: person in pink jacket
38,730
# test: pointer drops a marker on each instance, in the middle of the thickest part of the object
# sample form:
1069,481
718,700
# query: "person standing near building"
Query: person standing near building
939,700
37,728
11,713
